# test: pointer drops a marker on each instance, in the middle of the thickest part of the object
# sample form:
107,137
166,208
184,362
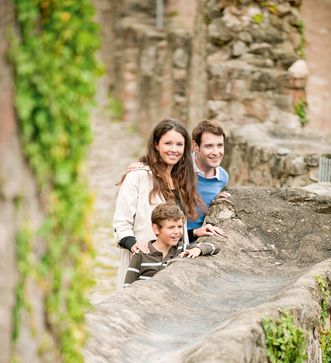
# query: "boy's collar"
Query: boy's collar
153,251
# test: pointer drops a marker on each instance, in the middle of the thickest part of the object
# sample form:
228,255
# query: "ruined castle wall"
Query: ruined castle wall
241,63
234,65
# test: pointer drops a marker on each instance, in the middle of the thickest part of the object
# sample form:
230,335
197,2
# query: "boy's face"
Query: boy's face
170,232
211,150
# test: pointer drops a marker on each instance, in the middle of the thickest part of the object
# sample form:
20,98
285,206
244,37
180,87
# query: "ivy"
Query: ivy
285,341
325,331
300,109
55,73
299,24
23,253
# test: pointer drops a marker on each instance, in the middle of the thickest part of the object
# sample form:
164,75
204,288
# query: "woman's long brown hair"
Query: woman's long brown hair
182,173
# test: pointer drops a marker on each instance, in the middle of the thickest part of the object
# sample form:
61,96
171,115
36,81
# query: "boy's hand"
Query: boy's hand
134,166
192,253
208,230
140,246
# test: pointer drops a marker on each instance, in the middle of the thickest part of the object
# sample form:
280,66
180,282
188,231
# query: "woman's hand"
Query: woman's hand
140,246
208,230
191,253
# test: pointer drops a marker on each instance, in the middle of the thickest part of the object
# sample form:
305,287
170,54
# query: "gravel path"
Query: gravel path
115,146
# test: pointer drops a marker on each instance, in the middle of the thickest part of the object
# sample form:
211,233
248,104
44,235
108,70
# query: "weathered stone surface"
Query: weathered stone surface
299,69
289,157
239,48
229,42
210,309
219,33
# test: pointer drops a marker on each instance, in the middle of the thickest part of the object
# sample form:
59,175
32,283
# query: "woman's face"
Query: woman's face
171,147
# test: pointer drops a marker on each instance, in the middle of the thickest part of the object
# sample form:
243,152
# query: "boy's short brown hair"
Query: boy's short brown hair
168,210
212,127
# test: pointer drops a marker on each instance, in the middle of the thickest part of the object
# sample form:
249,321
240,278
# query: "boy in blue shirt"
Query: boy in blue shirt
208,151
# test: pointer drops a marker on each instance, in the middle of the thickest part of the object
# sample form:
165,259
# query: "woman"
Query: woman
168,174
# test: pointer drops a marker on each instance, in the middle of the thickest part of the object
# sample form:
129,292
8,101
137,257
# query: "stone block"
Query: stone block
245,37
215,108
256,107
219,89
260,48
239,48
296,165
218,57
180,58
263,81
219,33
299,69
179,81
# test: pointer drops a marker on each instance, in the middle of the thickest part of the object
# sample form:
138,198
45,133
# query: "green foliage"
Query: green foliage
55,73
325,333
284,340
271,6
301,27
300,109
207,20
257,18
23,252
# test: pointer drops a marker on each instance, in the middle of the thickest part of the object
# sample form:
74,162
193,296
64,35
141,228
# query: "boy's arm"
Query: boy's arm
133,271
207,248
200,249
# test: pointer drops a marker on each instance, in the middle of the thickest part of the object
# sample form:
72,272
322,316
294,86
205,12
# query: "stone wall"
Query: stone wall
270,155
236,65
239,65
152,68
250,51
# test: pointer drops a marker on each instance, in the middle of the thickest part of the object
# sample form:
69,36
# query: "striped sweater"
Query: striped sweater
145,266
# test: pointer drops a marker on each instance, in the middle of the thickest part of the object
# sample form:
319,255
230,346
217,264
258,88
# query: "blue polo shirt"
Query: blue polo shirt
208,189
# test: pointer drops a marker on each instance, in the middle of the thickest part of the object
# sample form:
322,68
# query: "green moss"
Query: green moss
285,341
257,18
207,20
55,71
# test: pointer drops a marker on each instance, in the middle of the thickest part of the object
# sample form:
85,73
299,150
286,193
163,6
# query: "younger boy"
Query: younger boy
167,224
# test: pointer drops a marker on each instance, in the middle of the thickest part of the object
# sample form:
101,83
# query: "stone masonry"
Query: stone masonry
241,64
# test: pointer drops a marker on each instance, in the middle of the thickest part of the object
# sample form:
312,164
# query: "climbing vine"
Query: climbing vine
23,252
325,333
300,109
55,73
285,341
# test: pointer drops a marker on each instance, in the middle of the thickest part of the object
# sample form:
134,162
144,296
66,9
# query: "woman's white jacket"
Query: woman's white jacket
133,211
132,215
